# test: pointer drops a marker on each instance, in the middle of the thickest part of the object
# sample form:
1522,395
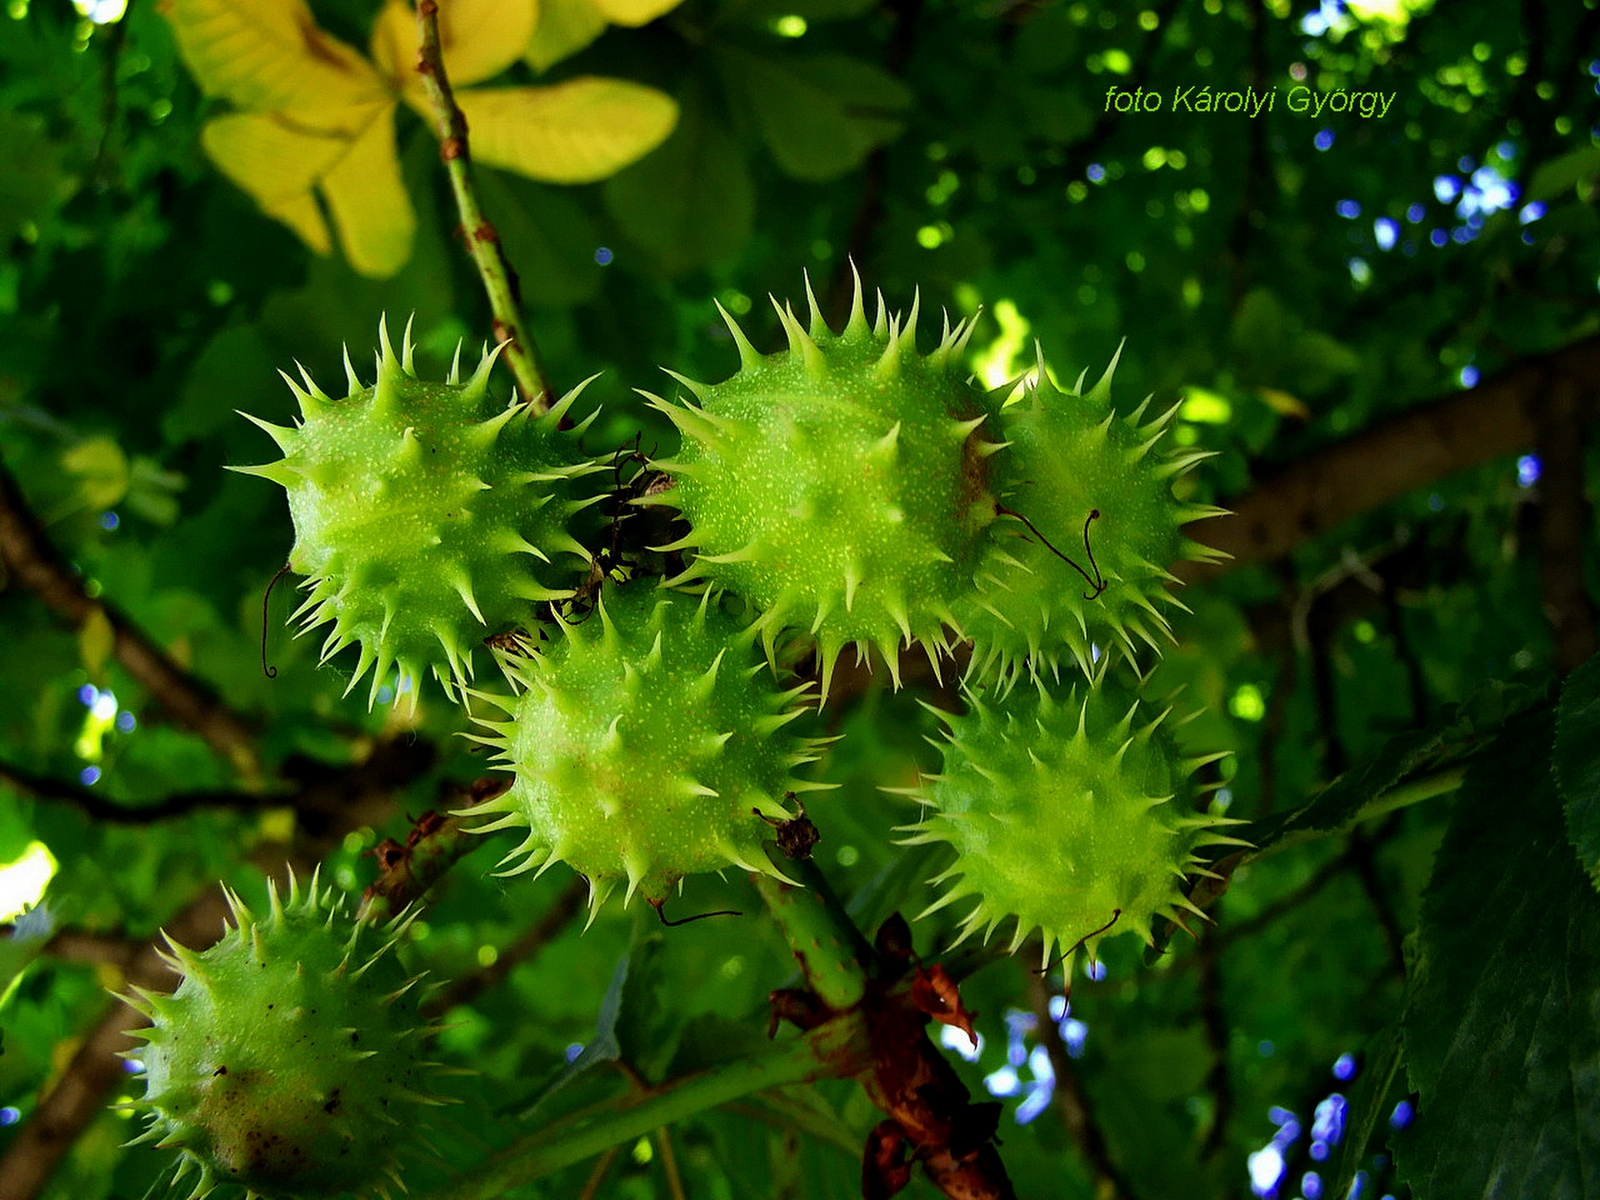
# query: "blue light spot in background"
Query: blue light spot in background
1469,376
1531,212
88,694
131,1065
1436,502
385,694
1096,970
1466,162
126,722
1327,1124
1344,1068
1280,1116
1095,172
1323,140
1447,188
1527,470
1311,1186
1266,1171
9,1115
1506,150
955,1039
1003,1082
89,776
109,520
603,255
1349,209
1462,234
1415,213
1074,1033
1266,1049
1319,1151
1594,67
1358,1186
1401,1117
574,1050
1439,237
1387,231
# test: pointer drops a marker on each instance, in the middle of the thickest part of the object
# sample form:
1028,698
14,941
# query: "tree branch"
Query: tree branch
1313,495
483,241
93,804
28,556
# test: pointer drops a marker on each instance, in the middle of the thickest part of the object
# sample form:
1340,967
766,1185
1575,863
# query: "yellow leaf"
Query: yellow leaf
574,132
480,39
368,201
564,28
1284,404
102,471
635,12
96,640
269,54
278,163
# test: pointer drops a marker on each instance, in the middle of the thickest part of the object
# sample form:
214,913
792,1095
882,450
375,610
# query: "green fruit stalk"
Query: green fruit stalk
289,1059
642,740
840,485
1068,816
1081,483
427,516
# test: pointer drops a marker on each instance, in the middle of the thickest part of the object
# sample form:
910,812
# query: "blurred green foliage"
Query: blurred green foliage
1293,280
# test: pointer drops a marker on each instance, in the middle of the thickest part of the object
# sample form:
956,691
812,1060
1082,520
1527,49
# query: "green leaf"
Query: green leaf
1576,762
690,202
33,184
1556,179
819,116
1501,1032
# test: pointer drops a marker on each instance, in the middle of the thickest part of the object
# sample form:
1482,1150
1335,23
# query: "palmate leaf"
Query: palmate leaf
1577,762
1502,1030
319,118
270,55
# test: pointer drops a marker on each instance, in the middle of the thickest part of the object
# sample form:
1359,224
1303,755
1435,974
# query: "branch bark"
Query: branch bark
1315,494
28,556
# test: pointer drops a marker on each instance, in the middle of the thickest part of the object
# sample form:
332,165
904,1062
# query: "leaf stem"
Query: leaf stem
835,1049
831,951
483,241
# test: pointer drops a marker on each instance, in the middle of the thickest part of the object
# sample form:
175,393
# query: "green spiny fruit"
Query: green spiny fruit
1079,483
641,741
426,515
288,1060
1068,816
839,485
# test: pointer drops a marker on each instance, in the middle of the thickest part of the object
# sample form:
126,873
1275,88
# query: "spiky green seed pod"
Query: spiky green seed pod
1069,816
1070,456
427,515
642,740
839,485
289,1059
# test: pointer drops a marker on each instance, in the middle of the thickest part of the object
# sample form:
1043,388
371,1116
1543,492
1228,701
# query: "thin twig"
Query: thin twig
555,918
483,241
57,791
27,555
1073,1103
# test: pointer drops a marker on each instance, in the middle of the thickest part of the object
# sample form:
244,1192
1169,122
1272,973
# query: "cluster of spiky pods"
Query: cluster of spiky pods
845,491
